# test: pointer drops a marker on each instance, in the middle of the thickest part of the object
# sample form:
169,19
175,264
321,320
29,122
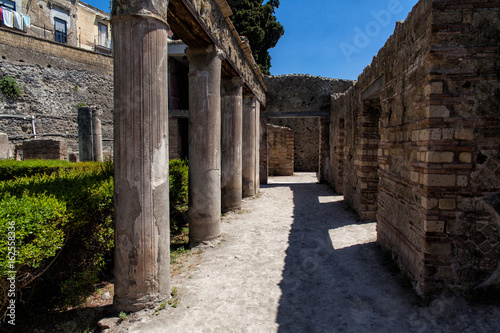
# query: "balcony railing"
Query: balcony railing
61,36
104,42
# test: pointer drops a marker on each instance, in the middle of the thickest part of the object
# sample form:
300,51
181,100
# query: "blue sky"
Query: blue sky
329,38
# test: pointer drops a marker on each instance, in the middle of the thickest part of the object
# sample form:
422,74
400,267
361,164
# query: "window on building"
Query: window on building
103,35
61,30
8,4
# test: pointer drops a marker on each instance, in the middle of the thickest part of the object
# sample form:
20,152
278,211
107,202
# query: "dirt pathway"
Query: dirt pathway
296,260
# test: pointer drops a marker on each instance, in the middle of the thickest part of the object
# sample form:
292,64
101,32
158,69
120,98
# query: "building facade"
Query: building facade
70,22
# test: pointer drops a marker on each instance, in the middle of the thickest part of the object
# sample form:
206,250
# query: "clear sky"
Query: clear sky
330,38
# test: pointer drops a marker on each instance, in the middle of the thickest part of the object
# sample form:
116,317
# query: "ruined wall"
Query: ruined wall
279,150
54,78
297,94
428,104
306,141
45,149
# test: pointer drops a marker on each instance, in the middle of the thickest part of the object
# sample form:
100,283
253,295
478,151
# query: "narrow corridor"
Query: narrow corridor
296,260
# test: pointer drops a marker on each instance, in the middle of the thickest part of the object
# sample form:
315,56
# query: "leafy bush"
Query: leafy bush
10,87
10,169
69,212
179,182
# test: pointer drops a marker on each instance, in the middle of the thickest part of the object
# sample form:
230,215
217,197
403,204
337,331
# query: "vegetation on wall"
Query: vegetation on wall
10,87
257,22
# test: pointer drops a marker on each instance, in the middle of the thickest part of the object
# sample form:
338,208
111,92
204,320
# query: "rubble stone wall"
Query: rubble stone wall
54,79
415,142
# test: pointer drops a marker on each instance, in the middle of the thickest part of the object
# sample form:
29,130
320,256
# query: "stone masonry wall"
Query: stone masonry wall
302,93
429,105
280,150
45,149
54,78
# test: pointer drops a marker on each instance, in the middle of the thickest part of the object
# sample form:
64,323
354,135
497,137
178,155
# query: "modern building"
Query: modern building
70,22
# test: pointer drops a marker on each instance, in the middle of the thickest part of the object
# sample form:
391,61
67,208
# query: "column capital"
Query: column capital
197,51
148,8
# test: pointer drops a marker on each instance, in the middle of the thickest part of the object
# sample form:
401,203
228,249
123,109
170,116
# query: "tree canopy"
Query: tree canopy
257,22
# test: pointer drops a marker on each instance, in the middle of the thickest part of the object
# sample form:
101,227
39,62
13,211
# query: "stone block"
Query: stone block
434,88
429,203
439,180
437,111
464,134
430,134
465,157
434,226
448,133
439,157
447,204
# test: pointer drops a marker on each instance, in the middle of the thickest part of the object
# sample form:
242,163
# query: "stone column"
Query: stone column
257,148
142,235
204,144
232,125
96,136
85,145
249,144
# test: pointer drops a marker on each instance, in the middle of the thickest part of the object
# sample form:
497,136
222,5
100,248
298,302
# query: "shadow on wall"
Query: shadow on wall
334,278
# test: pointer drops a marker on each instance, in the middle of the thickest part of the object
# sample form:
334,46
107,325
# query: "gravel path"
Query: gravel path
296,260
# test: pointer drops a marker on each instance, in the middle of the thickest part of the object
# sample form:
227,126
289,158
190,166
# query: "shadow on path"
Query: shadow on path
334,279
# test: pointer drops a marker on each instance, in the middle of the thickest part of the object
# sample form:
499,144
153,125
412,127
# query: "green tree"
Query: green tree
257,22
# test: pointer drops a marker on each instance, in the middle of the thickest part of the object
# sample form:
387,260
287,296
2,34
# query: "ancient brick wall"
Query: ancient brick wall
54,78
289,94
429,105
45,149
306,149
280,150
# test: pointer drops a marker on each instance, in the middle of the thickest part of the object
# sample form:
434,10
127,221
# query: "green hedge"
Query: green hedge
10,169
64,228
68,214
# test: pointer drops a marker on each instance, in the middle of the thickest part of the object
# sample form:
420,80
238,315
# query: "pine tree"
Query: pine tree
257,22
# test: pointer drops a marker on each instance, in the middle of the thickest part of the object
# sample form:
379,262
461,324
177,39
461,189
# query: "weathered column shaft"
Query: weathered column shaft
249,145
85,145
142,235
257,147
96,136
232,126
204,144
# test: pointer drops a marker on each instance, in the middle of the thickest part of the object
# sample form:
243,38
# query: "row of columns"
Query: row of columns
223,144
223,168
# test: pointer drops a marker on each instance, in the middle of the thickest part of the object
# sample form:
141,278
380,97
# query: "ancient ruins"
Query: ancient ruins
413,144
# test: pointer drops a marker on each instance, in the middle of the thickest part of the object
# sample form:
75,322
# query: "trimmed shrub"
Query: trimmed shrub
69,212
10,169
